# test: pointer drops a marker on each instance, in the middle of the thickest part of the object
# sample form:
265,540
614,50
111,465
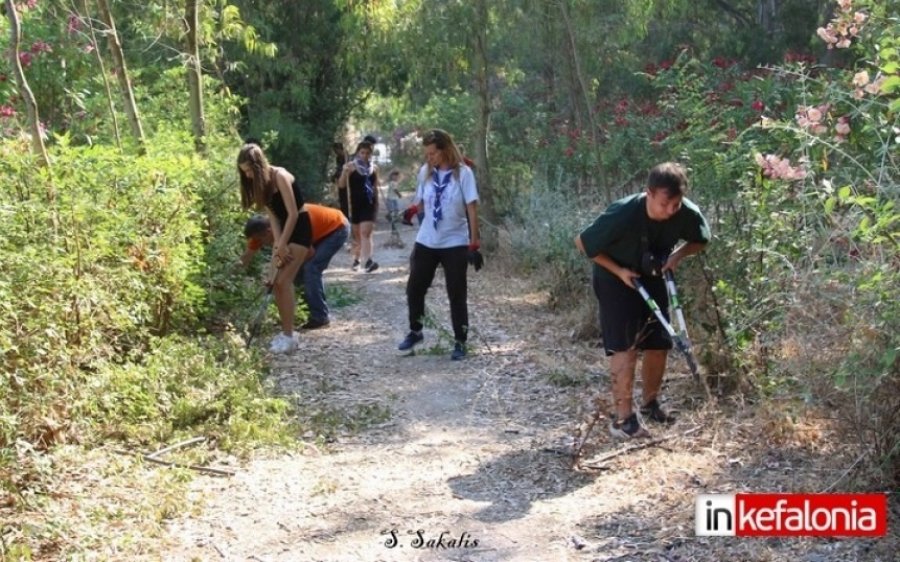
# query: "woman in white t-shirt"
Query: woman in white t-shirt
448,236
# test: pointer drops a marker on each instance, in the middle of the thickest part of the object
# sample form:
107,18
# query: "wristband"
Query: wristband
474,246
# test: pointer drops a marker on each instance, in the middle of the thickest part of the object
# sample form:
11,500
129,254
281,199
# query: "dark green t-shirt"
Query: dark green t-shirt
619,232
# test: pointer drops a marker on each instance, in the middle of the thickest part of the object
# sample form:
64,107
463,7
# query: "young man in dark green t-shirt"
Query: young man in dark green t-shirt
636,237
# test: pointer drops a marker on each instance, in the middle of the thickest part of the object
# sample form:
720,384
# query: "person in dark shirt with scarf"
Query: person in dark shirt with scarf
360,177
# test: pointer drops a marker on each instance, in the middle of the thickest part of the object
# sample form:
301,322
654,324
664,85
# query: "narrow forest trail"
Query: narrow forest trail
467,448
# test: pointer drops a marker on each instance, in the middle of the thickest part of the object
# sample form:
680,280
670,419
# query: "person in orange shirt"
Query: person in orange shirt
330,231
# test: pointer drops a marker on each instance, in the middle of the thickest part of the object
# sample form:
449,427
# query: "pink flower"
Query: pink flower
25,59
843,126
875,87
861,78
758,106
7,111
41,47
827,35
845,5
73,24
774,167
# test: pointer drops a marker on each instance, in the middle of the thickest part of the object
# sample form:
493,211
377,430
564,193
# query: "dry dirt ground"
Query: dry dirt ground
439,460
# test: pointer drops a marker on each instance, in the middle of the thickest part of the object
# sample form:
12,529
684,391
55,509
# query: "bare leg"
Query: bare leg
283,288
653,366
621,368
365,240
354,241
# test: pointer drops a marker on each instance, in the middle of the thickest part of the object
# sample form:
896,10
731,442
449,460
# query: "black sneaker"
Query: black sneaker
371,266
459,351
355,265
314,324
629,428
653,412
411,340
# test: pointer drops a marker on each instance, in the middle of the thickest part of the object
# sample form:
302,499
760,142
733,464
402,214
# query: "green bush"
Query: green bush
114,269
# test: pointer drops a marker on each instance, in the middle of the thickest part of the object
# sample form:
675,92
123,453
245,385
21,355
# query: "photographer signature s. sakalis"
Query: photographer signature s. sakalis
420,538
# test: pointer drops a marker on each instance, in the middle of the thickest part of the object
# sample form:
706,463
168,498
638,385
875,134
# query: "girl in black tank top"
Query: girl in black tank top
276,190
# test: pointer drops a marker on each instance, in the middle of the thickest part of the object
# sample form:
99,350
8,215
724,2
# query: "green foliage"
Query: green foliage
208,386
113,271
542,239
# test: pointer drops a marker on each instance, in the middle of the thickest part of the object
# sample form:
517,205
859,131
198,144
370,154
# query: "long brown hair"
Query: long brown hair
443,141
255,191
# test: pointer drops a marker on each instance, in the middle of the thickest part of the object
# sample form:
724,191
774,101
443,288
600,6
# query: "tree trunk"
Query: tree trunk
483,118
31,109
115,49
587,122
109,97
194,75
767,16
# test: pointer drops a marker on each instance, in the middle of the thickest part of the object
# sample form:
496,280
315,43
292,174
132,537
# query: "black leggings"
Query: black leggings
423,263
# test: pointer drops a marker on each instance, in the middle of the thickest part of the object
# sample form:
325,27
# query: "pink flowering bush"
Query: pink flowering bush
61,74
777,168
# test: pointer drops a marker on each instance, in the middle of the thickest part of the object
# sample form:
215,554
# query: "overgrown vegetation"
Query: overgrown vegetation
119,301
796,165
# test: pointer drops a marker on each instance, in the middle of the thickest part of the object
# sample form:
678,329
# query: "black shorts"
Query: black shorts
364,214
302,233
625,319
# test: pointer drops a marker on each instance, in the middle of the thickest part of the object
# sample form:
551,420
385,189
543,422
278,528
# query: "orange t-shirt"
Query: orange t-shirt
324,221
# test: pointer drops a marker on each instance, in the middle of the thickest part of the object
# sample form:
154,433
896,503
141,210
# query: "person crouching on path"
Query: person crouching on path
360,176
635,237
448,237
330,231
274,189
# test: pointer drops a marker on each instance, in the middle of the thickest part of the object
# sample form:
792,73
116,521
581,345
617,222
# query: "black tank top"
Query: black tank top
276,203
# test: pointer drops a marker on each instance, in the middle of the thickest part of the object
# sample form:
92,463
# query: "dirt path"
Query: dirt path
438,460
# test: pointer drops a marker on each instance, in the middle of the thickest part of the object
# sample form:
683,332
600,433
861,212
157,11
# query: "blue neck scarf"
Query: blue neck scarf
441,180
364,169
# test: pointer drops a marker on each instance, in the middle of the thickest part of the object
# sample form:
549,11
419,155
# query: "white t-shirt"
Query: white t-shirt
453,229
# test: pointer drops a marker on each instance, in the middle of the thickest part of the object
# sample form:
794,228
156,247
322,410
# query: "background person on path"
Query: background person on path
393,207
340,158
274,189
448,236
330,231
360,176
635,237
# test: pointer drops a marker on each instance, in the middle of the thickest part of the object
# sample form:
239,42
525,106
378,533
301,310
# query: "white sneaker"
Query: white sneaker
282,344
